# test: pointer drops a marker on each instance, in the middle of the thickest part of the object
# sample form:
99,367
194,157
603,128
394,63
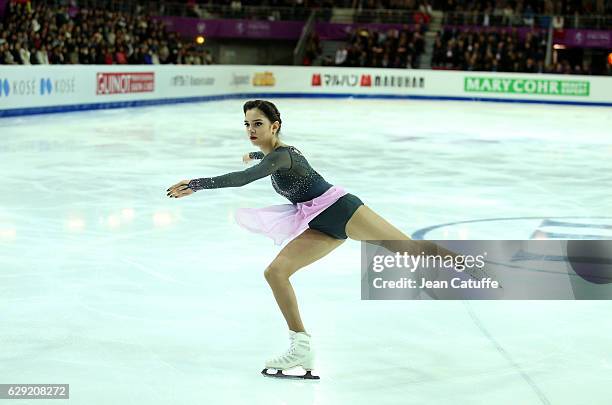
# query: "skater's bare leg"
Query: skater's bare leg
305,249
365,224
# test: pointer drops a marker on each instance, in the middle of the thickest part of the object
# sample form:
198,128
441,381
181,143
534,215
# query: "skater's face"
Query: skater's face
259,128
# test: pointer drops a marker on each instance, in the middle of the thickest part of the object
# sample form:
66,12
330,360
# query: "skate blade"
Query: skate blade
279,374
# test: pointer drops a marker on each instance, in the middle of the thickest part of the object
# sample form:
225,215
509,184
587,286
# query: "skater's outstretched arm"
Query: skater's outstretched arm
278,159
269,164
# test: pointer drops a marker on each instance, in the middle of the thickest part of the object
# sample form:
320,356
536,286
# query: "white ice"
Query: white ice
132,297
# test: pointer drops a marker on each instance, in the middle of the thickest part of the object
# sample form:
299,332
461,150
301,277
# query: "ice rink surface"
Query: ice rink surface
132,297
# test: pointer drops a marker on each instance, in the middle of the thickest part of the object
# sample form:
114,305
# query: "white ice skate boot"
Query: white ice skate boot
300,353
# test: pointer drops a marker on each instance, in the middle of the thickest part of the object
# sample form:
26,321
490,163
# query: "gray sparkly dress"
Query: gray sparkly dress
292,176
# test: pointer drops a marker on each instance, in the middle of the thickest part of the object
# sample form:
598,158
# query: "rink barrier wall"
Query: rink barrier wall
26,90
146,103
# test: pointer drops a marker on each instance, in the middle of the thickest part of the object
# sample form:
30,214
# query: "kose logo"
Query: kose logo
45,85
123,83
28,87
23,87
366,80
5,87
62,86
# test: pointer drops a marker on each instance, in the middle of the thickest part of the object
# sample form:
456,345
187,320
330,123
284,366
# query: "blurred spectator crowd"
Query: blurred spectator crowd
364,10
275,10
310,4
372,48
271,10
394,11
508,8
491,51
497,51
35,33
520,12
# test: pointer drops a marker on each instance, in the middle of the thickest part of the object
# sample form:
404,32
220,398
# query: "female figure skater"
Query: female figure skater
320,219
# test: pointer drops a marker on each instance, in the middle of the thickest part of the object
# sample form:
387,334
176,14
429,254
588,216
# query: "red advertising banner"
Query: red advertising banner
125,83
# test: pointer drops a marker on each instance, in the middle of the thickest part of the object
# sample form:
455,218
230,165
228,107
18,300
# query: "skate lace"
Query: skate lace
289,352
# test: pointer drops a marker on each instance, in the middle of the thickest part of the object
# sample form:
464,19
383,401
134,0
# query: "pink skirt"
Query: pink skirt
286,221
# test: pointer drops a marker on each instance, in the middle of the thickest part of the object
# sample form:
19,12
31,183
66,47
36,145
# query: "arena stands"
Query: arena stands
485,35
36,33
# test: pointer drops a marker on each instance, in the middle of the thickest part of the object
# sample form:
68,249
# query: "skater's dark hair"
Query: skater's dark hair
267,108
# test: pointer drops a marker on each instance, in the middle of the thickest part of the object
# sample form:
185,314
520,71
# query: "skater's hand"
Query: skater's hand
180,189
246,158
